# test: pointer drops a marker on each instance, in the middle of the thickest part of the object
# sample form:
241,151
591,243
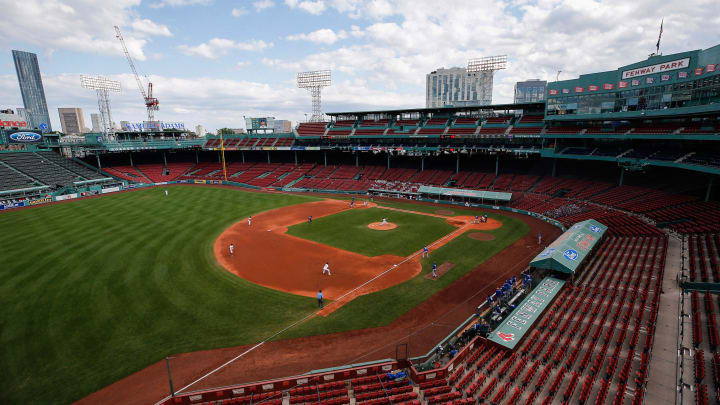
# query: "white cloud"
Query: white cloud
79,25
315,7
237,12
322,36
261,5
179,3
220,46
146,26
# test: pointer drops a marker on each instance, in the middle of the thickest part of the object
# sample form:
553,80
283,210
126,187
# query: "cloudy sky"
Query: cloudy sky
214,61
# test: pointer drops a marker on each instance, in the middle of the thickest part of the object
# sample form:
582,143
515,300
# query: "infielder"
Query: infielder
232,249
249,220
426,252
326,268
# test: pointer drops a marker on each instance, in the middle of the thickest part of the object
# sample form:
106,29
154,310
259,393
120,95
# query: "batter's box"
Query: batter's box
442,269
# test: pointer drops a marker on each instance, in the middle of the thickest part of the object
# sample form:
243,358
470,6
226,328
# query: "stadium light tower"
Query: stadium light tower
314,81
102,86
488,65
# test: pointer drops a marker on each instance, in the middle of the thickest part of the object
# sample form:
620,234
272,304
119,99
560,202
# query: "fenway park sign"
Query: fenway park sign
658,68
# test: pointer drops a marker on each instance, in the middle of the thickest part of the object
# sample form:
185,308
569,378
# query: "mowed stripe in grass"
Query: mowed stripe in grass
97,289
348,230
381,308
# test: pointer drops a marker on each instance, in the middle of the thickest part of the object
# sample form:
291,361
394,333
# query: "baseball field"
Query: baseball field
97,289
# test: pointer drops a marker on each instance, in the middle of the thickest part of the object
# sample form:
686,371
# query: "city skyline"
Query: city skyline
240,58
31,89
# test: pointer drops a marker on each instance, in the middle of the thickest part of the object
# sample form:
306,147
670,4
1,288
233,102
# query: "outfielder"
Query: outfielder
166,193
326,268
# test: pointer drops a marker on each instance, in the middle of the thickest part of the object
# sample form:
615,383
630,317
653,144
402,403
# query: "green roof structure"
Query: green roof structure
458,192
569,250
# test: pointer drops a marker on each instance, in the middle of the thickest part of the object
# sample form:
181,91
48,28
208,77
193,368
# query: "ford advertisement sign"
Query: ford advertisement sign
25,137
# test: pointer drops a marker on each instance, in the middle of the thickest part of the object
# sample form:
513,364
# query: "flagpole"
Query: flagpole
657,46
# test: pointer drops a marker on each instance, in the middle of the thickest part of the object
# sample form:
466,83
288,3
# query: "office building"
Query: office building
96,120
530,91
282,126
456,87
31,88
71,120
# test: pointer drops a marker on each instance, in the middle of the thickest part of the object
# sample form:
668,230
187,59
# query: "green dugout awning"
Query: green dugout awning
511,331
568,251
459,192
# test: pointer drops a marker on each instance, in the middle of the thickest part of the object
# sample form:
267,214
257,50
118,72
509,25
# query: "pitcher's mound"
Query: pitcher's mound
481,236
379,226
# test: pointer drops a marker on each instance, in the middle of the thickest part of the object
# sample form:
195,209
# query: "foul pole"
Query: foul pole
222,152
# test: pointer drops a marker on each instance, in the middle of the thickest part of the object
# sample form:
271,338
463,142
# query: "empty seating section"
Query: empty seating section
13,180
693,217
284,142
311,128
159,173
705,342
364,132
127,173
519,131
343,123
43,168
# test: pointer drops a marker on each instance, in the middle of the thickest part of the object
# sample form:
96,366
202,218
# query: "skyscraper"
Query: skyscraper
457,87
71,120
31,88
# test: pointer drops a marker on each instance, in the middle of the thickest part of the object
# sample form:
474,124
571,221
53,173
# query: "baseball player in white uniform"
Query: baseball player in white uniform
249,221
326,268
166,193
232,249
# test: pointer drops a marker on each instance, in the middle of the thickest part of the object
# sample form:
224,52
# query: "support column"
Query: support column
164,158
131,162
622,176
325,154
357,160
457,164
295,153
243,156
497,165
554,168
268,157
388,162
709,189
422,163
219,158
97,155
197,159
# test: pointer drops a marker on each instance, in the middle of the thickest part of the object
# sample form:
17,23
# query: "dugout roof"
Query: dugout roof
569,250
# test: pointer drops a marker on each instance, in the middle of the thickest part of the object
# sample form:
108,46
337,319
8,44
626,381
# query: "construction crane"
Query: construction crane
151,103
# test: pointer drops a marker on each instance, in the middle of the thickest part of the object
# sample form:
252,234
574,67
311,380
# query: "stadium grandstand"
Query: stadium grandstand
631,154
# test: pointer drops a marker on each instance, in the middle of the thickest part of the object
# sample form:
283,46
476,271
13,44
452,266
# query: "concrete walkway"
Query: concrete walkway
661,386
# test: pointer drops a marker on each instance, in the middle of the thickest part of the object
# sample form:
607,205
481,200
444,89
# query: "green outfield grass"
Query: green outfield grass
466,253
349,230
94,290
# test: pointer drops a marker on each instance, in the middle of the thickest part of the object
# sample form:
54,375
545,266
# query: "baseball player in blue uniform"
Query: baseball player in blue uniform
425,252
434,270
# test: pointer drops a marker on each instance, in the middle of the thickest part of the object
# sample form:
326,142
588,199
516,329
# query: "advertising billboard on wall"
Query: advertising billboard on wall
18,136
